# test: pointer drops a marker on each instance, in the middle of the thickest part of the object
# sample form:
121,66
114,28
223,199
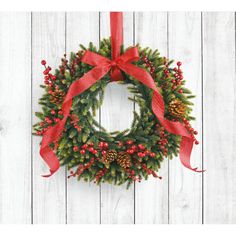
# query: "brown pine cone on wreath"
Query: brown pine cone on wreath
124,160
109,157
177,109
57,96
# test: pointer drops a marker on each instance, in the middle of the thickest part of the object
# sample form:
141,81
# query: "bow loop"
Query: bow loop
94,59
130,55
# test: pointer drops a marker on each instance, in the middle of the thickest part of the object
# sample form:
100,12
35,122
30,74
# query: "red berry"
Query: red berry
91,149
120,144
53,77
146,152
101,144
196,142
179,63
60,112
152,154
43,62
78,128
141,147
130,151
180,91
129,142
104,152
82,151
133,147
46,72
95,152
105,145
140,154
85,146
75,148
195,132
53,112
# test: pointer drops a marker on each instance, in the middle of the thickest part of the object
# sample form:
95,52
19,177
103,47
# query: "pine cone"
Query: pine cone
124,160
109,157
177,109
57,96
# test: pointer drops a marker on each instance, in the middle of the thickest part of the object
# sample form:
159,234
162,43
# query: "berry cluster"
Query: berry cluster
163,142
178,77
150,171
149,65
74,121
190,130
100,174
48,77
82,168
139,149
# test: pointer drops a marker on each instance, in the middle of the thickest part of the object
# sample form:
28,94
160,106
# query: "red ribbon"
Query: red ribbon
102,66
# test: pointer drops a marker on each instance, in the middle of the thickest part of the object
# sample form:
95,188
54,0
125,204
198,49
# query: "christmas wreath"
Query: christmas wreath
71,99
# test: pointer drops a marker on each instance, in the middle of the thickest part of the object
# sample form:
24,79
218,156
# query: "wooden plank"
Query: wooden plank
219,117
48,42
185,189
15,118
83,198
151,197
117,203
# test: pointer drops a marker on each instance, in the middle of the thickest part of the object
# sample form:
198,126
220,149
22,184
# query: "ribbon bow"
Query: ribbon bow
102,66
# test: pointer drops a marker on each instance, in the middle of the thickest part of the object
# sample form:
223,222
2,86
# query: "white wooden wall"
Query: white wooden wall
204,42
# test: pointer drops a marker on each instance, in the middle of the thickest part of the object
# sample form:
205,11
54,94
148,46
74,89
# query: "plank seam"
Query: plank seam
100,120
168,163
202,110
66,185
31,120
133,117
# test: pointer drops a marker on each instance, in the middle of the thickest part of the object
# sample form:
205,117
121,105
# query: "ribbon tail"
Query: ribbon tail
158,109
53,134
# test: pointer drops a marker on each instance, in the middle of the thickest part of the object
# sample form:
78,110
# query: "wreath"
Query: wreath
89,151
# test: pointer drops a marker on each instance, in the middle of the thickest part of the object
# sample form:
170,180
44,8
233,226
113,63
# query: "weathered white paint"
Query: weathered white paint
185,192
48,42
205,45
219,117
15,118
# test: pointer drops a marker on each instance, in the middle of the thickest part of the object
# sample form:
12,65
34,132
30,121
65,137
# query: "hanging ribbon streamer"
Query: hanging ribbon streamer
102,66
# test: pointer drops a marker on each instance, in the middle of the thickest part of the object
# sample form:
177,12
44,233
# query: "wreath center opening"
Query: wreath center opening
116,113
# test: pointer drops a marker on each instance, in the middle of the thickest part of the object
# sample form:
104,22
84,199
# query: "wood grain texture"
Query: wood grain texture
117,203
219,117
48,42
185,194
15,118
151,197
205,43
83,205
